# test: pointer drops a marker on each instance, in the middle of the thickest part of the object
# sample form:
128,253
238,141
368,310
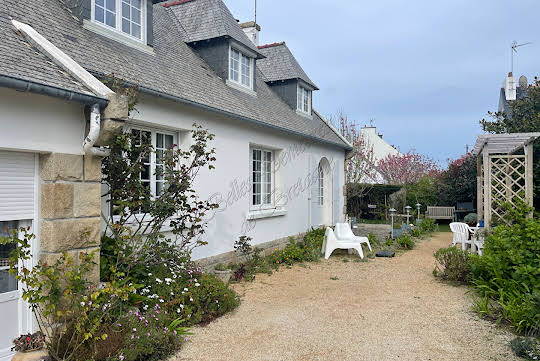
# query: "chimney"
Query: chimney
252,31
510,87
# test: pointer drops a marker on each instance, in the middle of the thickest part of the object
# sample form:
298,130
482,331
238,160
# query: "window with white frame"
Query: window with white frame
262,177
304,100
125,16
321,185
240,68
152,175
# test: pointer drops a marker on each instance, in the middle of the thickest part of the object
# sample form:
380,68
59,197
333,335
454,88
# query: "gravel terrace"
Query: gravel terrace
384,309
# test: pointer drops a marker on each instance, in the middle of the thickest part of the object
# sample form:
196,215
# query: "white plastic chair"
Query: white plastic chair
344,232
331,243
460,234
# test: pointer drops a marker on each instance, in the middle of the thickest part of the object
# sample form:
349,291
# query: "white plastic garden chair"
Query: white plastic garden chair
344,232
331,243
460,234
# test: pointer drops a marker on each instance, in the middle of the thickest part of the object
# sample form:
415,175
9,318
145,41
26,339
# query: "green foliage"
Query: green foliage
373,239
291,254
359,196
427,225
61,293
423,192
243,245
416,232
471,218
405,241
526,347
453,265
150,336
458,182
524,117
509,271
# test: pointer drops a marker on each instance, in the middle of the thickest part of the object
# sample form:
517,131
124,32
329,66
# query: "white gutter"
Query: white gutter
79,73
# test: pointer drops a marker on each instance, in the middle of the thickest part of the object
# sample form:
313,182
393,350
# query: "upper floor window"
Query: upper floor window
125,16
304,100
262,177
241,68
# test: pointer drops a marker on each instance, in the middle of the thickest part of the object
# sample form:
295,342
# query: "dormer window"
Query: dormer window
124,16
240,68
304,100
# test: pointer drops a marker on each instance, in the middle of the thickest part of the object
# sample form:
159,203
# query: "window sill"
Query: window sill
266,213
116,36
304,114
241,88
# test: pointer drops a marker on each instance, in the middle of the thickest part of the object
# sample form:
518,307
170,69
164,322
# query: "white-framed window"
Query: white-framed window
321,185
152,173
241,69
124,16
262,177
304,100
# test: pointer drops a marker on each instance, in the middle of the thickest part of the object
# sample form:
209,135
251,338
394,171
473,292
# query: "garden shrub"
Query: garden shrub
405,241
453,265
471,218
416,232
526,347
509,270
289,255
428,225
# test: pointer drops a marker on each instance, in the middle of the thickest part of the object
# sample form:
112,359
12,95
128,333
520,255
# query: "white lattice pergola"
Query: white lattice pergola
503,176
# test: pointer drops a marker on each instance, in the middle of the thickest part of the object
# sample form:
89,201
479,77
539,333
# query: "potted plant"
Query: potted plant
222,272
29,347
471,219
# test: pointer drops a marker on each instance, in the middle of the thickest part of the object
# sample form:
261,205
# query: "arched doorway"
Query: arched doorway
324,191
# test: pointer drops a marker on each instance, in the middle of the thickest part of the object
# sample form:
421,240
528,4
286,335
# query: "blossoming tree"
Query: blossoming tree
408,168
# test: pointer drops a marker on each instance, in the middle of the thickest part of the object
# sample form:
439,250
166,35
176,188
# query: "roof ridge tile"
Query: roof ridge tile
271,45
176,2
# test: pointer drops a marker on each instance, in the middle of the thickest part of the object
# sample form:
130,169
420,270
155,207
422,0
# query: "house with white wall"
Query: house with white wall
380,149
192,63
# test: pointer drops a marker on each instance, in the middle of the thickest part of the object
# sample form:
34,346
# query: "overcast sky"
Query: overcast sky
426,71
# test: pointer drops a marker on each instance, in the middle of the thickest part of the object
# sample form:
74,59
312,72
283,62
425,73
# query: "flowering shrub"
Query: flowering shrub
151,335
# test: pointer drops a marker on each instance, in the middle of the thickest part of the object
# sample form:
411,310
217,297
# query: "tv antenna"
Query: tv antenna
515,45
255,13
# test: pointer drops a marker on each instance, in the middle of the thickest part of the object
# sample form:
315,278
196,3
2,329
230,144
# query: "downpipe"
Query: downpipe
93,134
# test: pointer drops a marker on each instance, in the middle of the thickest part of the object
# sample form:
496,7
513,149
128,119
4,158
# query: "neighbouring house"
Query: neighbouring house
511,91
380,148
280,164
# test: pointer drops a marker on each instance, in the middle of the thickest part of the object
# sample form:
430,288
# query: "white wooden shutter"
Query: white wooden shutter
17,179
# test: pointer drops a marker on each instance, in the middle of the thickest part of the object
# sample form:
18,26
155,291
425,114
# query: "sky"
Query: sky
426,71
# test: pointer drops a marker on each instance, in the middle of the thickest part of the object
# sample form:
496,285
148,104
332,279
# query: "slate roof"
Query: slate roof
280,64
207,19
18,59
174,70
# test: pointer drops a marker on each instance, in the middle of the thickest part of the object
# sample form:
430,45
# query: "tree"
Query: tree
523,117
458,182
408,168
360,163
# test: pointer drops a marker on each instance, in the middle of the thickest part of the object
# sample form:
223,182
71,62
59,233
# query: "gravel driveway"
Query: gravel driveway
384,309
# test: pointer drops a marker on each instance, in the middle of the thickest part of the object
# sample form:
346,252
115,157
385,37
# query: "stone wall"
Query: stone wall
382,231
225,258
70,206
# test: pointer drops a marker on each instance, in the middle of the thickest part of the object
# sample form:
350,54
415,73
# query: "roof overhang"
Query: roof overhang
503,143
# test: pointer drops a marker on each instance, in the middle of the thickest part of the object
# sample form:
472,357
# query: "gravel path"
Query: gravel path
385,309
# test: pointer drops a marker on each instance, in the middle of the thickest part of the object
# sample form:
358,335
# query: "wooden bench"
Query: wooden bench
441,213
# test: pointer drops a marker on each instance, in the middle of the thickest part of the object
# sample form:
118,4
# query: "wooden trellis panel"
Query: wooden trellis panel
507,183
